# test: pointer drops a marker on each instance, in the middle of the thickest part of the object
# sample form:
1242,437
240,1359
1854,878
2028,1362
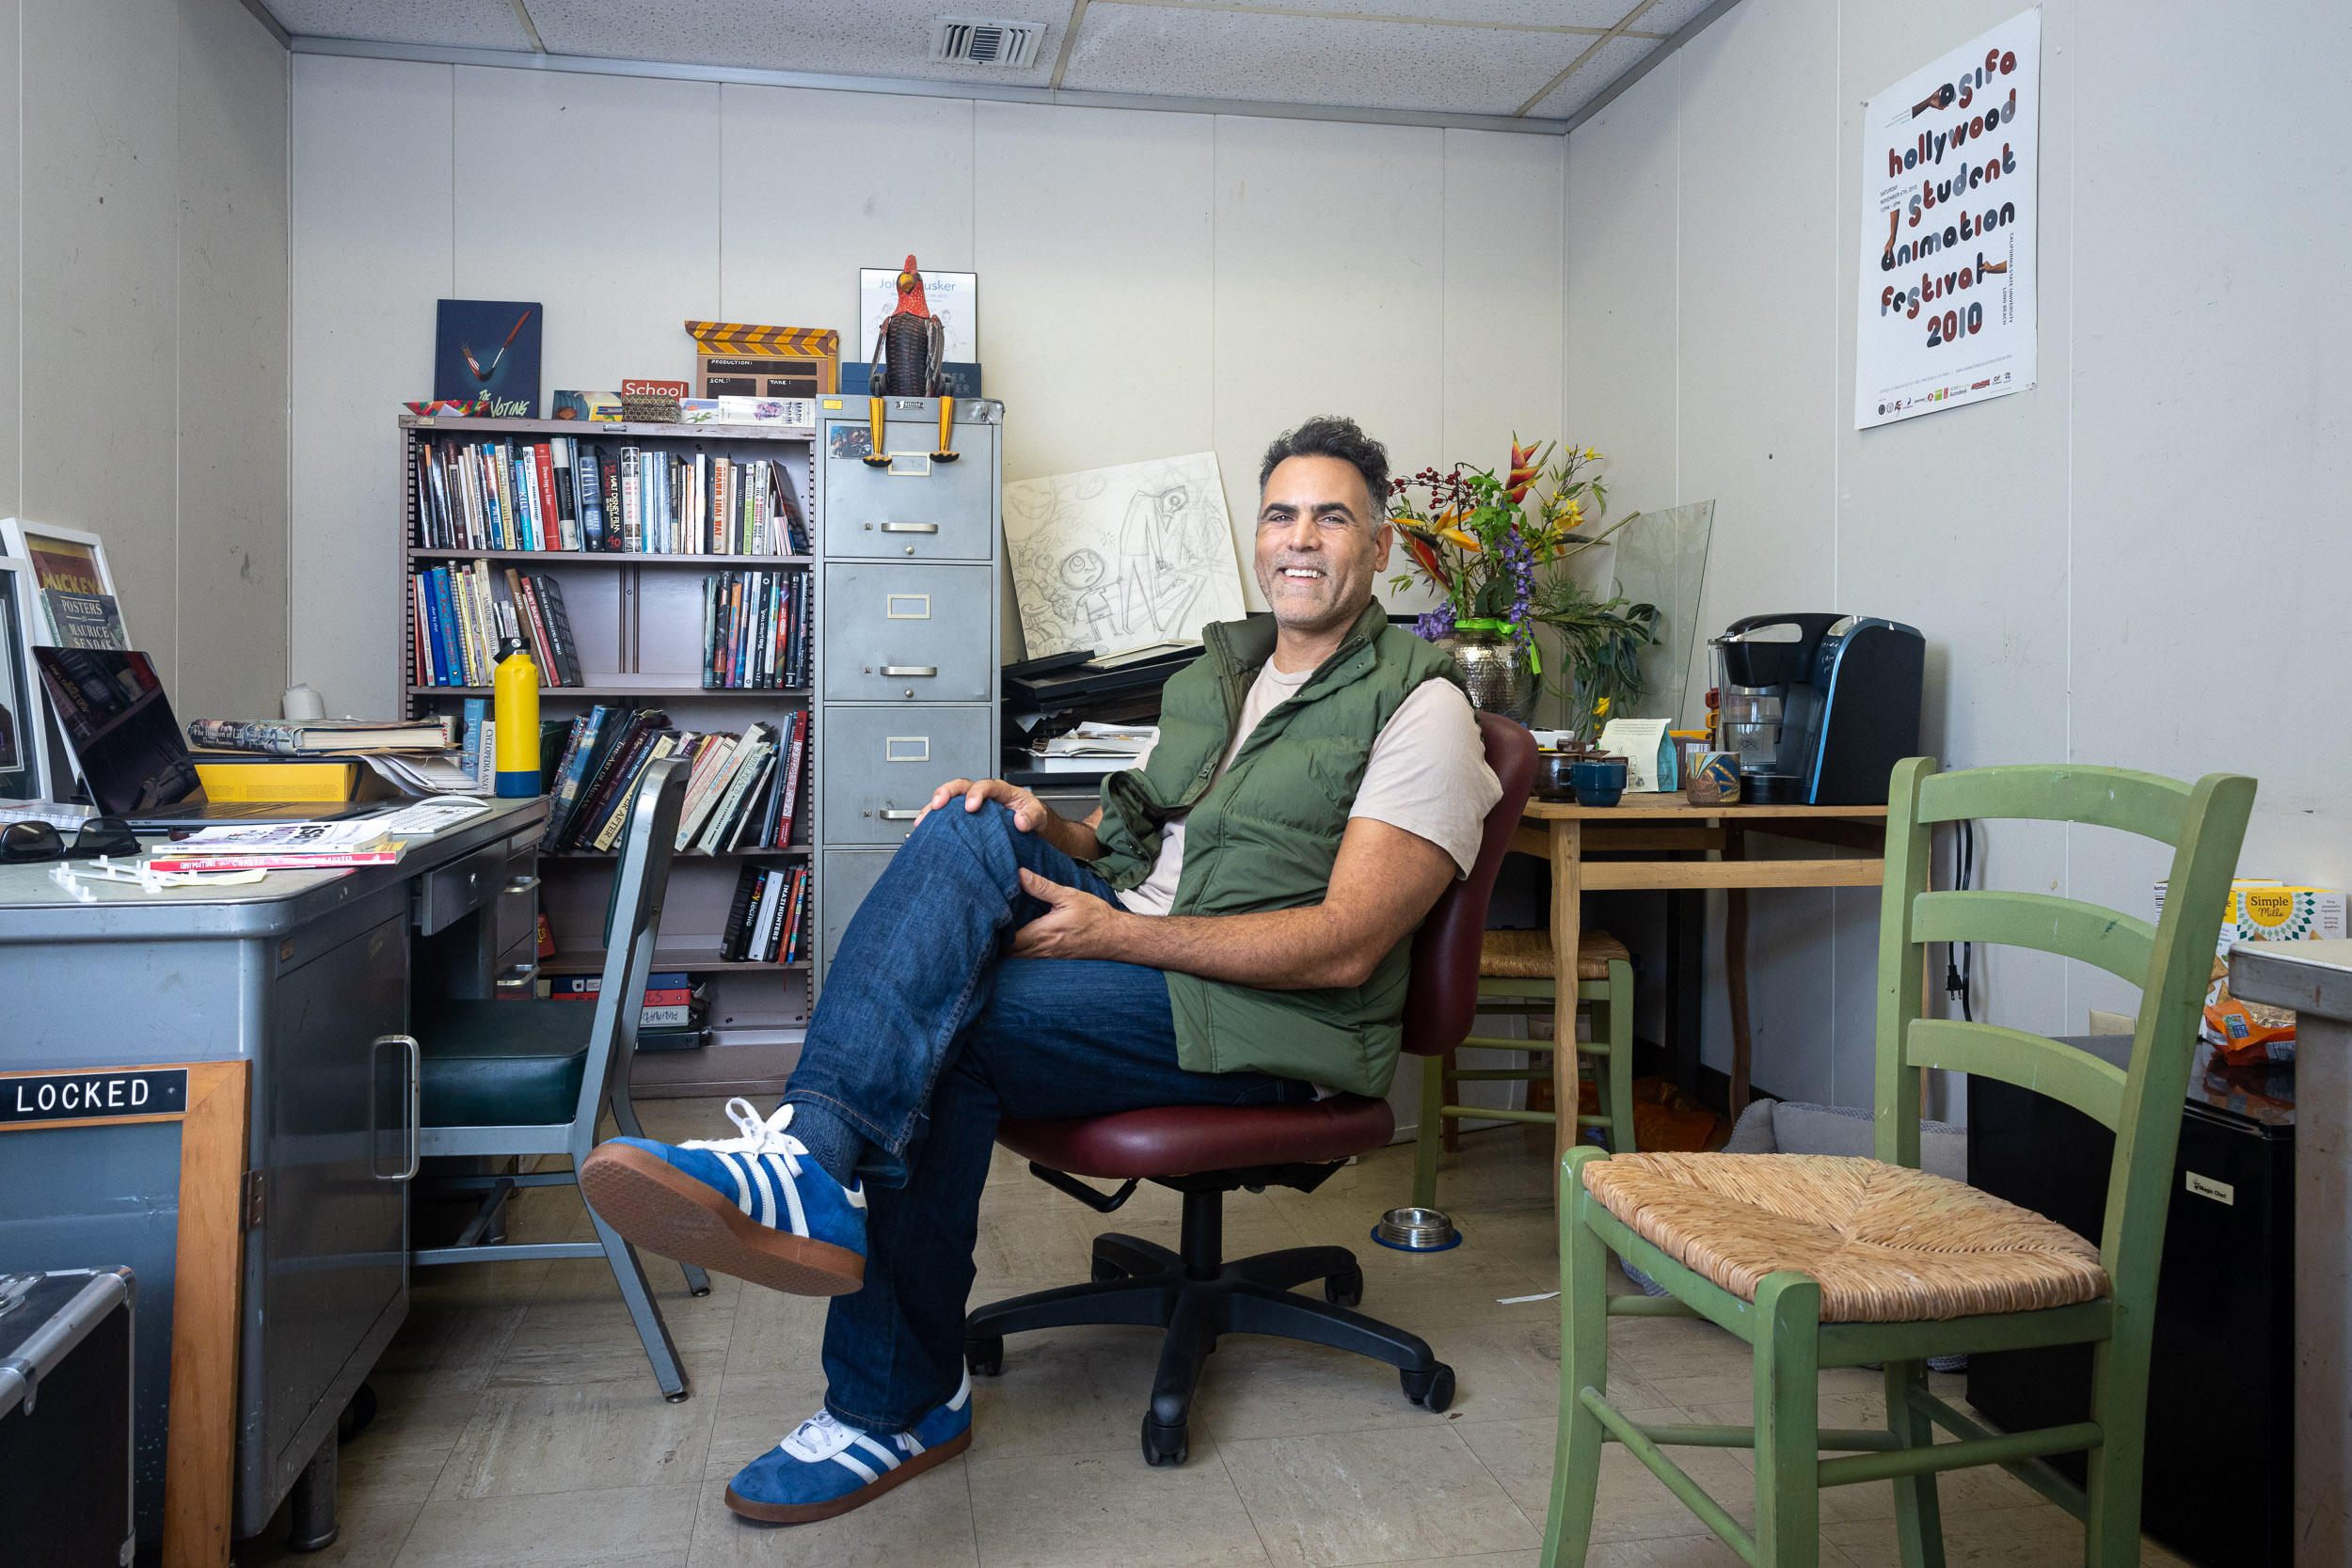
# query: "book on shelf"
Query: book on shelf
670,1001
767,917
305,737
740,793
755,629
463,612
561,495
84,620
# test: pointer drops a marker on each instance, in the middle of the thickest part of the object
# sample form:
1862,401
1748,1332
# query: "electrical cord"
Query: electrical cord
1959,956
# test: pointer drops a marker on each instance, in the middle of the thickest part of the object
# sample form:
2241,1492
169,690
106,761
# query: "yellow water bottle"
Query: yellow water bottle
514,706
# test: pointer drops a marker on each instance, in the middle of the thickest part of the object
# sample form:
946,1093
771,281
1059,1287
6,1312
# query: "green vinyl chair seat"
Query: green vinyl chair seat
502,1064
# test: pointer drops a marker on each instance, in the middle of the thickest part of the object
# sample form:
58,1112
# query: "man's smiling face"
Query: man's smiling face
1322,539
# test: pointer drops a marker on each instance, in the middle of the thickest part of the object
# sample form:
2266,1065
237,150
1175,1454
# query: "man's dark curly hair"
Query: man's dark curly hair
1335,436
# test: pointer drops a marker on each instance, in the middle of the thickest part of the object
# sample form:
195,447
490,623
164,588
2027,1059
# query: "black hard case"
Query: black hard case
65,1418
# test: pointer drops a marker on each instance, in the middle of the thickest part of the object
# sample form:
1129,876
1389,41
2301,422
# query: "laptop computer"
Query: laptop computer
134,755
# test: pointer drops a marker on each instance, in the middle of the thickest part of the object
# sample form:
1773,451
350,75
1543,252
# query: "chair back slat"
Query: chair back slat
2170,962
2148,804
641,879
2029,1060
2089,933
1442,997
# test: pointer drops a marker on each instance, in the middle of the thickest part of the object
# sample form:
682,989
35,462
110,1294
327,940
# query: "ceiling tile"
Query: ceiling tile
468,23
1286,59
872,37
1670,16
1611,61
1543,13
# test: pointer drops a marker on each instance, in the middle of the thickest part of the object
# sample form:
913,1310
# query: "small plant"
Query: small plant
1602,643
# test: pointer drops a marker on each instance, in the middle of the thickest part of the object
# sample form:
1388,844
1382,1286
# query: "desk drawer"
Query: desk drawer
924,511
881,764
899,633
849,875
517,899
459,888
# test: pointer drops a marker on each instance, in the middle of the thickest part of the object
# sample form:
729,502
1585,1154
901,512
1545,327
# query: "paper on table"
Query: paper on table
1649,758
282,838
424,773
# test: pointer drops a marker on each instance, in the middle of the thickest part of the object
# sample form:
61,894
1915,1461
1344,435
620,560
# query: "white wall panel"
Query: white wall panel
1504,298
817,184
232,363
12,259
1329,293
374,248
101,320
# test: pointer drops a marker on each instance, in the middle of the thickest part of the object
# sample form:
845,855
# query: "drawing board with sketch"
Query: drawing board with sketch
1113,558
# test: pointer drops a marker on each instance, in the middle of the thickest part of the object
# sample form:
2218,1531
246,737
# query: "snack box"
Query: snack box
2261,909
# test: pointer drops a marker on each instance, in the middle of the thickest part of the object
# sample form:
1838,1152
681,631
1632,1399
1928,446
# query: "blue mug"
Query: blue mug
1598,782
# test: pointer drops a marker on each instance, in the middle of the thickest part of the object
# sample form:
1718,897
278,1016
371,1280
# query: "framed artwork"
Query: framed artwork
953,298
22,775
73,589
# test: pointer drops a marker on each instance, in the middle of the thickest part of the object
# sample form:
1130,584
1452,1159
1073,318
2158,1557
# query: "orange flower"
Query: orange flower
1524,469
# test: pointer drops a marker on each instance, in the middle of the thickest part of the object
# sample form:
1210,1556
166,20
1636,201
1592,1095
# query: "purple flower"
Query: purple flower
1434,624
1521,564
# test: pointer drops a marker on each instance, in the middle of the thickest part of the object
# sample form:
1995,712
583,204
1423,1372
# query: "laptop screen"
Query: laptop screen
111,705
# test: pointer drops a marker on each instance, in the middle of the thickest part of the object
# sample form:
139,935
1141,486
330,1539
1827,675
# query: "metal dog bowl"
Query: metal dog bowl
1412,1229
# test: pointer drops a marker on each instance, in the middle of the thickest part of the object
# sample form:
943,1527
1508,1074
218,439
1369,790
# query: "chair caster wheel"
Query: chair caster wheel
985,1358
1345,1289
1104,1272
1164,1445
1433,1389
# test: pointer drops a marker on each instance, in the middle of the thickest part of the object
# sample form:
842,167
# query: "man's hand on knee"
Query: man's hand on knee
1029,814
1075,924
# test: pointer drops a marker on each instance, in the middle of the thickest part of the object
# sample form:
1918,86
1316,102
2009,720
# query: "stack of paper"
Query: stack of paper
1093,748
280,846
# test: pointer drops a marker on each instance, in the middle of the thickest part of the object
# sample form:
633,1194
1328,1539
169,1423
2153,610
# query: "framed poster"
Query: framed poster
488,348
953,298
73,598
1950,188
23,777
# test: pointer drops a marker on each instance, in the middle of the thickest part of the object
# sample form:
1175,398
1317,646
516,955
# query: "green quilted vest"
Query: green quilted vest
1265,838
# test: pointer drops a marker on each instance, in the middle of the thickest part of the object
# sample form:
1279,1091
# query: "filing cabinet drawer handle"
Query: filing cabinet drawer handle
522,884
909,669
910,528
415,1087
901,816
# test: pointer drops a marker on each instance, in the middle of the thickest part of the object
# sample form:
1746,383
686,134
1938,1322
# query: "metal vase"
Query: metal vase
1495,668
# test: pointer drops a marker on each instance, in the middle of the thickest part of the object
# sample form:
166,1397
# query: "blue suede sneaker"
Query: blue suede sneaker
824,1467
755,1207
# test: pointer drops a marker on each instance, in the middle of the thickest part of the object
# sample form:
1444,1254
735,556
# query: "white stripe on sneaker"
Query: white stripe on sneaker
791,1193
890,1461
843,1458
908,1441
742,1187
766,1214
962,1394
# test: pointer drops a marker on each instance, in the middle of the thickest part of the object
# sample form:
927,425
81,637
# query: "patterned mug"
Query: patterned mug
1714,778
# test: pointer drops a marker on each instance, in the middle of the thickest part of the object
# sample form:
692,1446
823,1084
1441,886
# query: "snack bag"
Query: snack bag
2246,1034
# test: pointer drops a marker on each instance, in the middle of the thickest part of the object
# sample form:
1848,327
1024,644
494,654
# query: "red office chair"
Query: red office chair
1207,1152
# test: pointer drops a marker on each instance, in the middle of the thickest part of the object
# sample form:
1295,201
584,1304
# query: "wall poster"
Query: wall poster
1950,182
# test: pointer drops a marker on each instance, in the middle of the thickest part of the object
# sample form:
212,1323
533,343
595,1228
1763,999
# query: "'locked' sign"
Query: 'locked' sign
93,1096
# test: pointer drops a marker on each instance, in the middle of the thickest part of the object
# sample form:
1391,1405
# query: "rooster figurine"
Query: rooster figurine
909,351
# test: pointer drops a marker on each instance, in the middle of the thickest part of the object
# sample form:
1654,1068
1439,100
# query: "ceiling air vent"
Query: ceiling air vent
969,40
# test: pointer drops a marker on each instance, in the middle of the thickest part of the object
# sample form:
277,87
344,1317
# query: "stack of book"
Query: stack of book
755,629
742,790
464,612
279,846
564,494
769,919
674,1014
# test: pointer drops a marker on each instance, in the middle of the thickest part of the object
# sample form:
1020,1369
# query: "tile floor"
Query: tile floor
519,1424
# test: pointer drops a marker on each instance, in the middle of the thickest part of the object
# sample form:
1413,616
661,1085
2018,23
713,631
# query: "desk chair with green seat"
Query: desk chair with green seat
1822,1260
1515,973
532,1077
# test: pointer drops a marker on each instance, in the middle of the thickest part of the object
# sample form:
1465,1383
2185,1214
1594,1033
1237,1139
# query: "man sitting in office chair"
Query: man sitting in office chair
1232,927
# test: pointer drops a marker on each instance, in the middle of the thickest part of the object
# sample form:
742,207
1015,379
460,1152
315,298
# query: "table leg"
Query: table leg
1568,917
1735,971
2323,1286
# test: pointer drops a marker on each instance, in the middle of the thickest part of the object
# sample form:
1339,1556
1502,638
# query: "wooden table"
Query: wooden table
2316,979
1686,847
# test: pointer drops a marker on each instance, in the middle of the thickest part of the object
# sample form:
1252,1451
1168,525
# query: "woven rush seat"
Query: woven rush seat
1527,955
1886,1244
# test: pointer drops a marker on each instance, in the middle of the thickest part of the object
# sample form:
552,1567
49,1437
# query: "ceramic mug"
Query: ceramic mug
1714,779
1599,780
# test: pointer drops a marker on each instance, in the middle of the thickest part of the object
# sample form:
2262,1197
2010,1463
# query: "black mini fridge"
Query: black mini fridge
2219,1478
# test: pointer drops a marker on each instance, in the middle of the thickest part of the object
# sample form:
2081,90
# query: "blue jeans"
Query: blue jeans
926,1034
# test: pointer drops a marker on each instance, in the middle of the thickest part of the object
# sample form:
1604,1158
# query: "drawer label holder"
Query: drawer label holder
93,1096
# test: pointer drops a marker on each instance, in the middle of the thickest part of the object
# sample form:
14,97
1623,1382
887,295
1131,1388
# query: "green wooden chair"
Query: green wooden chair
1818,1261
1515,976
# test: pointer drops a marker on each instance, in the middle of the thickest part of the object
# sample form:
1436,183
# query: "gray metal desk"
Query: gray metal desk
2316,979
297,976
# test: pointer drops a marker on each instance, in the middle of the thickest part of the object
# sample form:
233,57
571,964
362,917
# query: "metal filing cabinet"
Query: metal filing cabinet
907,658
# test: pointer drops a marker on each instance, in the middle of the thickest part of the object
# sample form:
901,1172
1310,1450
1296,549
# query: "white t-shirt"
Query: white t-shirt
1428,774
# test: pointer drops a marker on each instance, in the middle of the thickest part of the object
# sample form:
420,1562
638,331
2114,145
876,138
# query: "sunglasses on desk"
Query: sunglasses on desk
30,841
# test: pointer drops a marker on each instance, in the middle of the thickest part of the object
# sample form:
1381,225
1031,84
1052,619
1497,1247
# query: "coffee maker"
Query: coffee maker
1819,708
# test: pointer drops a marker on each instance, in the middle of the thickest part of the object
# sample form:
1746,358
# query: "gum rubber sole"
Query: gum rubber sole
663,1210
805,1514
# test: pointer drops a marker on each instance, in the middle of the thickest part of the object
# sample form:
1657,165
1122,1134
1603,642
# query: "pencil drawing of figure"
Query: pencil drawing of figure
1118,558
